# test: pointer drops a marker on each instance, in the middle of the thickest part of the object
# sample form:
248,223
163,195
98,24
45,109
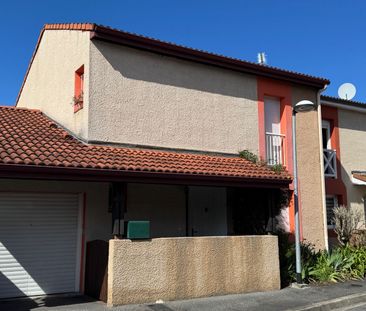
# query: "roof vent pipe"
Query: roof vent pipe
262,58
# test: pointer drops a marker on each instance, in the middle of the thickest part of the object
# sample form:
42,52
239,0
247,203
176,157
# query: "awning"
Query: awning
359,178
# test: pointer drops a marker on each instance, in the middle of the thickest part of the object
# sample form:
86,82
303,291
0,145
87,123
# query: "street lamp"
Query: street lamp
301,106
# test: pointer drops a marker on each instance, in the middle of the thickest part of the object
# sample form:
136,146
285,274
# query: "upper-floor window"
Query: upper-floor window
79,89
329,154
275,153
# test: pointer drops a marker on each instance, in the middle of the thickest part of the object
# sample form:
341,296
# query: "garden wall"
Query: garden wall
190,267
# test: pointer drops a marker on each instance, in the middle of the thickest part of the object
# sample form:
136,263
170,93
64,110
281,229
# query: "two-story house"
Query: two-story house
111,126
344,136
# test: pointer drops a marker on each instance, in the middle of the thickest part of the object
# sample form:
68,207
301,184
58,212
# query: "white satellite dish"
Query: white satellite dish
347,91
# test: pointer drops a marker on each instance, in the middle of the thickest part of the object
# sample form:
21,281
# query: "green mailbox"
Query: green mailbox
138,229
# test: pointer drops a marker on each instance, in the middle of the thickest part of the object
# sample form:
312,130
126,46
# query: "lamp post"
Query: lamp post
302,106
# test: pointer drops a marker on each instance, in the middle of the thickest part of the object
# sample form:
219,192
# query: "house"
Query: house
110,127
344,133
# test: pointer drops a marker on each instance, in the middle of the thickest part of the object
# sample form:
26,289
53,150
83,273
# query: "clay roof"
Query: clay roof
30,139
100,32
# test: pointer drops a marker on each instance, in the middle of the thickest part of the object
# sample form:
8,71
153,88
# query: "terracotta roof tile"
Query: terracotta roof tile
26,138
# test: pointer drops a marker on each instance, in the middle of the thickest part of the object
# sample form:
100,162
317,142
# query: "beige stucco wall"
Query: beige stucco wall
179,268
147,99
163,205
50,82
309,170
97,219
352,137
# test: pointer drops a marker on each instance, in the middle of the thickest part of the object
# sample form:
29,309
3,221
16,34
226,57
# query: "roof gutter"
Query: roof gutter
343,106
12,171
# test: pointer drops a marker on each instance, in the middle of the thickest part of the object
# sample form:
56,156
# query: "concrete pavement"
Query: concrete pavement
313,298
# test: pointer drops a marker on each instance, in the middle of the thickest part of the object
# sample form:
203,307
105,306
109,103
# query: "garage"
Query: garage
40,243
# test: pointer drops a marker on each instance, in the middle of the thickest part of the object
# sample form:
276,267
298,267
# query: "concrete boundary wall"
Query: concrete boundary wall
190,267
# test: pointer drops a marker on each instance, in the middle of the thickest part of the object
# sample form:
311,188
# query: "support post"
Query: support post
296,203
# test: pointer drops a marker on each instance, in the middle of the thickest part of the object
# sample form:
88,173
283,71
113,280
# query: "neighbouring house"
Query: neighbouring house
112,127
344,136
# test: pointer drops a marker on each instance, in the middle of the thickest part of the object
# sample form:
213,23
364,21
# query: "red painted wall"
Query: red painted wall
334,186
282,91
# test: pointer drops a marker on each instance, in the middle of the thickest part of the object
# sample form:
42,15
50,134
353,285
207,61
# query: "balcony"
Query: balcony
330,163
275,149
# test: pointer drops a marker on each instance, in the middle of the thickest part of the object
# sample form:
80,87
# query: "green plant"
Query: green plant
288,259
340,264
277,168
356,256
248,155
327,268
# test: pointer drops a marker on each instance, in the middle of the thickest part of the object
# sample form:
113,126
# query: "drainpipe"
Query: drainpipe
322,169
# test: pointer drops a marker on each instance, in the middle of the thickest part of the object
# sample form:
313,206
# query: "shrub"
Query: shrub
358,238
327,268
277,168
288,259
340,264
248,155
346,221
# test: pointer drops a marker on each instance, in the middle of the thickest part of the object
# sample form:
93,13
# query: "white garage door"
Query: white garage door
39,244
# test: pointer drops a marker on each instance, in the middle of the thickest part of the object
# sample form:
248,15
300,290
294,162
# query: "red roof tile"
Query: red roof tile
29,138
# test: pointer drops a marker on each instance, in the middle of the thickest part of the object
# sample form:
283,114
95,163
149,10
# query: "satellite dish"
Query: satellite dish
347,91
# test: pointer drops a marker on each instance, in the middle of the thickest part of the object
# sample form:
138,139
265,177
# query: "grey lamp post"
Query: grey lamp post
302,106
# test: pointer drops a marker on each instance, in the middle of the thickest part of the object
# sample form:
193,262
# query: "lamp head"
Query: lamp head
304,105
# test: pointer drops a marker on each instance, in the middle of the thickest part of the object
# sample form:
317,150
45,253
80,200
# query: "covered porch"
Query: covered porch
206,237
61,200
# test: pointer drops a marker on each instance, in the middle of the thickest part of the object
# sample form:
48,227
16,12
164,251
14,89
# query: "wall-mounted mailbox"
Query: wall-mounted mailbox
138,229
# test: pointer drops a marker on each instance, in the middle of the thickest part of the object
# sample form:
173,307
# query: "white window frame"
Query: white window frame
326,125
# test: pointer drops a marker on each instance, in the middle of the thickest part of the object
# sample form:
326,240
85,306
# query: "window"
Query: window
79,89
330,157
326,134
275,153
331,202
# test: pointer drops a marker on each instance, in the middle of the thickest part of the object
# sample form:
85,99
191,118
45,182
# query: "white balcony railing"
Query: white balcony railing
330,163
275,149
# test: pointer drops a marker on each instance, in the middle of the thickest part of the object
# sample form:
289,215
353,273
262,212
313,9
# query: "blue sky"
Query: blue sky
320,37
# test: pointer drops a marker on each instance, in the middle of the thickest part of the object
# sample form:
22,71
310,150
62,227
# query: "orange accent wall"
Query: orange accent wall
334,186
282,91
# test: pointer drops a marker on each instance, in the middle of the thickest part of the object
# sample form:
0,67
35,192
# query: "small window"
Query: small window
326,134
79,89
331,202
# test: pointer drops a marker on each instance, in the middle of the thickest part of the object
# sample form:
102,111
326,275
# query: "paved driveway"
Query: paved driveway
286,299
71,303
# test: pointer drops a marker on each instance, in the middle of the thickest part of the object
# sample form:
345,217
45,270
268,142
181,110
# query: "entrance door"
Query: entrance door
207,212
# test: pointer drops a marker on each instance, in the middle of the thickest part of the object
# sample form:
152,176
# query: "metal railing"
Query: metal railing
330,163
275,149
